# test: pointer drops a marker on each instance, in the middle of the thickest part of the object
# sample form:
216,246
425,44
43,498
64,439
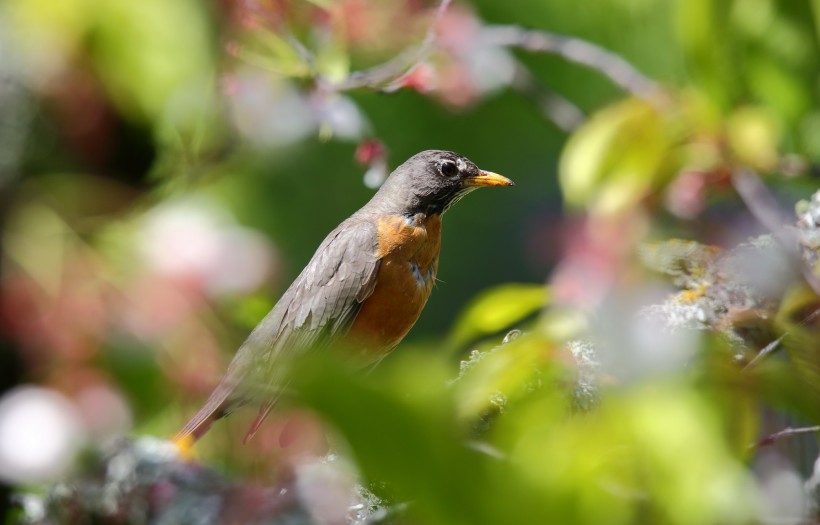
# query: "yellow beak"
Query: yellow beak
487,178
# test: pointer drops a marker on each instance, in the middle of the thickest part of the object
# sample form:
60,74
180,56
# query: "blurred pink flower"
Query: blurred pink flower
194,241
685,197
373,154
421,78
468,69
370,151
595,257
67,325
104,411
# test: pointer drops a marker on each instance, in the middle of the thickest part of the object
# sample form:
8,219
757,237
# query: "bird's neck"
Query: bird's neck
409,205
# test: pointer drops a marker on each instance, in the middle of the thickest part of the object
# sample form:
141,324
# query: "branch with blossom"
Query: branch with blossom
459,60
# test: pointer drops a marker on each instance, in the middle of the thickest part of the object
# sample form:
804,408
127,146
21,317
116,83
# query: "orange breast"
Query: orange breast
409,251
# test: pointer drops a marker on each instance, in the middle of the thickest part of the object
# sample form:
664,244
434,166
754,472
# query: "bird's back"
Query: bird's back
317,308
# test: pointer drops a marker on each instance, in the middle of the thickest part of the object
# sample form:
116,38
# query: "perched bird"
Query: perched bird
364,288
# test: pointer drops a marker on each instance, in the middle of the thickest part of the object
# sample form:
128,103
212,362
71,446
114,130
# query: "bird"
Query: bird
364,287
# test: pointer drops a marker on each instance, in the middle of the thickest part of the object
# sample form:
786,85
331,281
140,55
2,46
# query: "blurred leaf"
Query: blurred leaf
265,49
37,240
332,60
809,135
137,373
496,309
731,390
753,136
617,157
148,52
49,31
706,39
627,461
783,388
623,462
491,379
803,338
404,438
781,90
247,312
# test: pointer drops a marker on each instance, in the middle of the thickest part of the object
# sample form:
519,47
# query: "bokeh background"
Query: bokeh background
167,168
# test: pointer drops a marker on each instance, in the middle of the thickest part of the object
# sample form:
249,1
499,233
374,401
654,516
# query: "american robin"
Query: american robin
365,286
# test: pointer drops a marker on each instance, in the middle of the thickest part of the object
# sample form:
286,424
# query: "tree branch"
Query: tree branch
399,66
575,50
559,110
787,432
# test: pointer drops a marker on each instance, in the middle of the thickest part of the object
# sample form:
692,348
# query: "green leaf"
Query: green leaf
802,340
332,60
710,60
617,157
753,134
403,434
267,50
496,309
491,379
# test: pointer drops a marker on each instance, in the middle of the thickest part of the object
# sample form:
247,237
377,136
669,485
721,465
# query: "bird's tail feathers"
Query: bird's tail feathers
217,406
264,410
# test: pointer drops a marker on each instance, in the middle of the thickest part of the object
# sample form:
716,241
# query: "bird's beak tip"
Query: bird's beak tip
488,178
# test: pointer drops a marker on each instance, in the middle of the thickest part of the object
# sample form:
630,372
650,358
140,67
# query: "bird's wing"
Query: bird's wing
319,306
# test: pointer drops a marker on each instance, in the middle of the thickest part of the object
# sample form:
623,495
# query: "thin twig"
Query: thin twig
613,66
768,349
787,432
774,345
561,111
399,66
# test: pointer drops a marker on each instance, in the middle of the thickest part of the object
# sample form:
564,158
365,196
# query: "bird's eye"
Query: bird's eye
448,169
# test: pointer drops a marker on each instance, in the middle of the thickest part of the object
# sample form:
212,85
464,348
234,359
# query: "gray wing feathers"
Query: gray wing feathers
321,304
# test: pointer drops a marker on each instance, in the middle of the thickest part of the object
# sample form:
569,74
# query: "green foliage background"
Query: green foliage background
736,87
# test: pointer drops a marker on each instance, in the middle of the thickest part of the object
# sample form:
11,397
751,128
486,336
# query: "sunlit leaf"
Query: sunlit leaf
36,241
491,379
496,309
404,439
148,51
333,61
615,159
798,318
709,59
783,388
623,462
753,136
266,49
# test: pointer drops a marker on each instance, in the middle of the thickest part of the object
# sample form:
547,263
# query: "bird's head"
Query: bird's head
432,181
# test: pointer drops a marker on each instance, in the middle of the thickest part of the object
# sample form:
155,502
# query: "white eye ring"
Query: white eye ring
449,169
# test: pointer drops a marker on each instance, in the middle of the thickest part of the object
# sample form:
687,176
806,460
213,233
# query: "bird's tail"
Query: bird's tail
264,410
218,405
